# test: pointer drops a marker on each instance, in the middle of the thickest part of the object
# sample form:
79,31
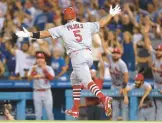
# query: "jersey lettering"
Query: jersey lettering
77,35
74,26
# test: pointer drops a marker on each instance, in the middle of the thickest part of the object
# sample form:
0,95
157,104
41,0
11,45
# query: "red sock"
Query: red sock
95,90
76,96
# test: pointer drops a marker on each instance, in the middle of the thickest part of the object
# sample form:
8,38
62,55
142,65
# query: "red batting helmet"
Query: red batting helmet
159,47
139,77
116,50
69,13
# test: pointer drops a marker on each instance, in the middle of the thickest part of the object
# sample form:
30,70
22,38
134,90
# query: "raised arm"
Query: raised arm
133,20
105,20
105,48
147,41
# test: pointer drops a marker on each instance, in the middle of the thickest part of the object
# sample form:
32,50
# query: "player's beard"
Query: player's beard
93,78
24,50
158,57
115,59
138,86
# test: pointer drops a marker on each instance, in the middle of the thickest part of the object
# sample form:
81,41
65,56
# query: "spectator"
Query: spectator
41,45
2,19
10,62
24,59
96,49
111,41
59,66
57,44
142,57
137,36
128,54
2,69
104,67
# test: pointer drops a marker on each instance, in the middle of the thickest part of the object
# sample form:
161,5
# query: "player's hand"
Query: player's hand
37,76
121,91
140,104
23,34
114,11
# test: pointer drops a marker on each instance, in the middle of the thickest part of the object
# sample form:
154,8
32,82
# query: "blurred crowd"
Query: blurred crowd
125,31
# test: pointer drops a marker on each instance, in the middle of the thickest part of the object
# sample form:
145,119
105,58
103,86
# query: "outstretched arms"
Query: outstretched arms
38,35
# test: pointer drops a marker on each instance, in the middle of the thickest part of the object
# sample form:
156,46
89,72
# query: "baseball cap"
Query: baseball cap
139,77
159,47
116,50
40,55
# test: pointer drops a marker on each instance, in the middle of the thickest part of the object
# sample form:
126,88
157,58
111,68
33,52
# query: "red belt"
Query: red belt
80,50
41,90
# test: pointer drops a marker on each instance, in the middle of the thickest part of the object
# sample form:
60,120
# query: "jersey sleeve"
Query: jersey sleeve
94,27
146,85
55,32
123,67
132,86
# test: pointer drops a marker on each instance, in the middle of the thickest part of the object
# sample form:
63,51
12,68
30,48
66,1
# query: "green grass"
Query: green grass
78,121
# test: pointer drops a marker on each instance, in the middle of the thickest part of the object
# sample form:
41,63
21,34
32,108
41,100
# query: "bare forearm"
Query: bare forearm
147,92
147,41
133,19
105,20
125,93
126,78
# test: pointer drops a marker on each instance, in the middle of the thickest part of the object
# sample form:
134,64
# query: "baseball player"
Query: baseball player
77,39
146,109
41,74
119,75
156,70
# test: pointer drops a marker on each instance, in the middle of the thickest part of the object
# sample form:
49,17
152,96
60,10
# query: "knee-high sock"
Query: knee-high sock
95,90
76,96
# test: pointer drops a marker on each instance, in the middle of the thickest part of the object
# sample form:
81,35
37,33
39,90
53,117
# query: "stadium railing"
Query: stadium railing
133,96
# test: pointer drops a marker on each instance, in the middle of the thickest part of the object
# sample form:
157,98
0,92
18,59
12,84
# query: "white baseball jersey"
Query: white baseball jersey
42,83
145,85
157,64
75,35
23,61
117,69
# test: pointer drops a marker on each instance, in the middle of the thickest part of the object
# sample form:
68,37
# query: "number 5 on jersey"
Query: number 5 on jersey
77,35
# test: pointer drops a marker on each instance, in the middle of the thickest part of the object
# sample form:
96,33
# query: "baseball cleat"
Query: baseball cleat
107,106
71,112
